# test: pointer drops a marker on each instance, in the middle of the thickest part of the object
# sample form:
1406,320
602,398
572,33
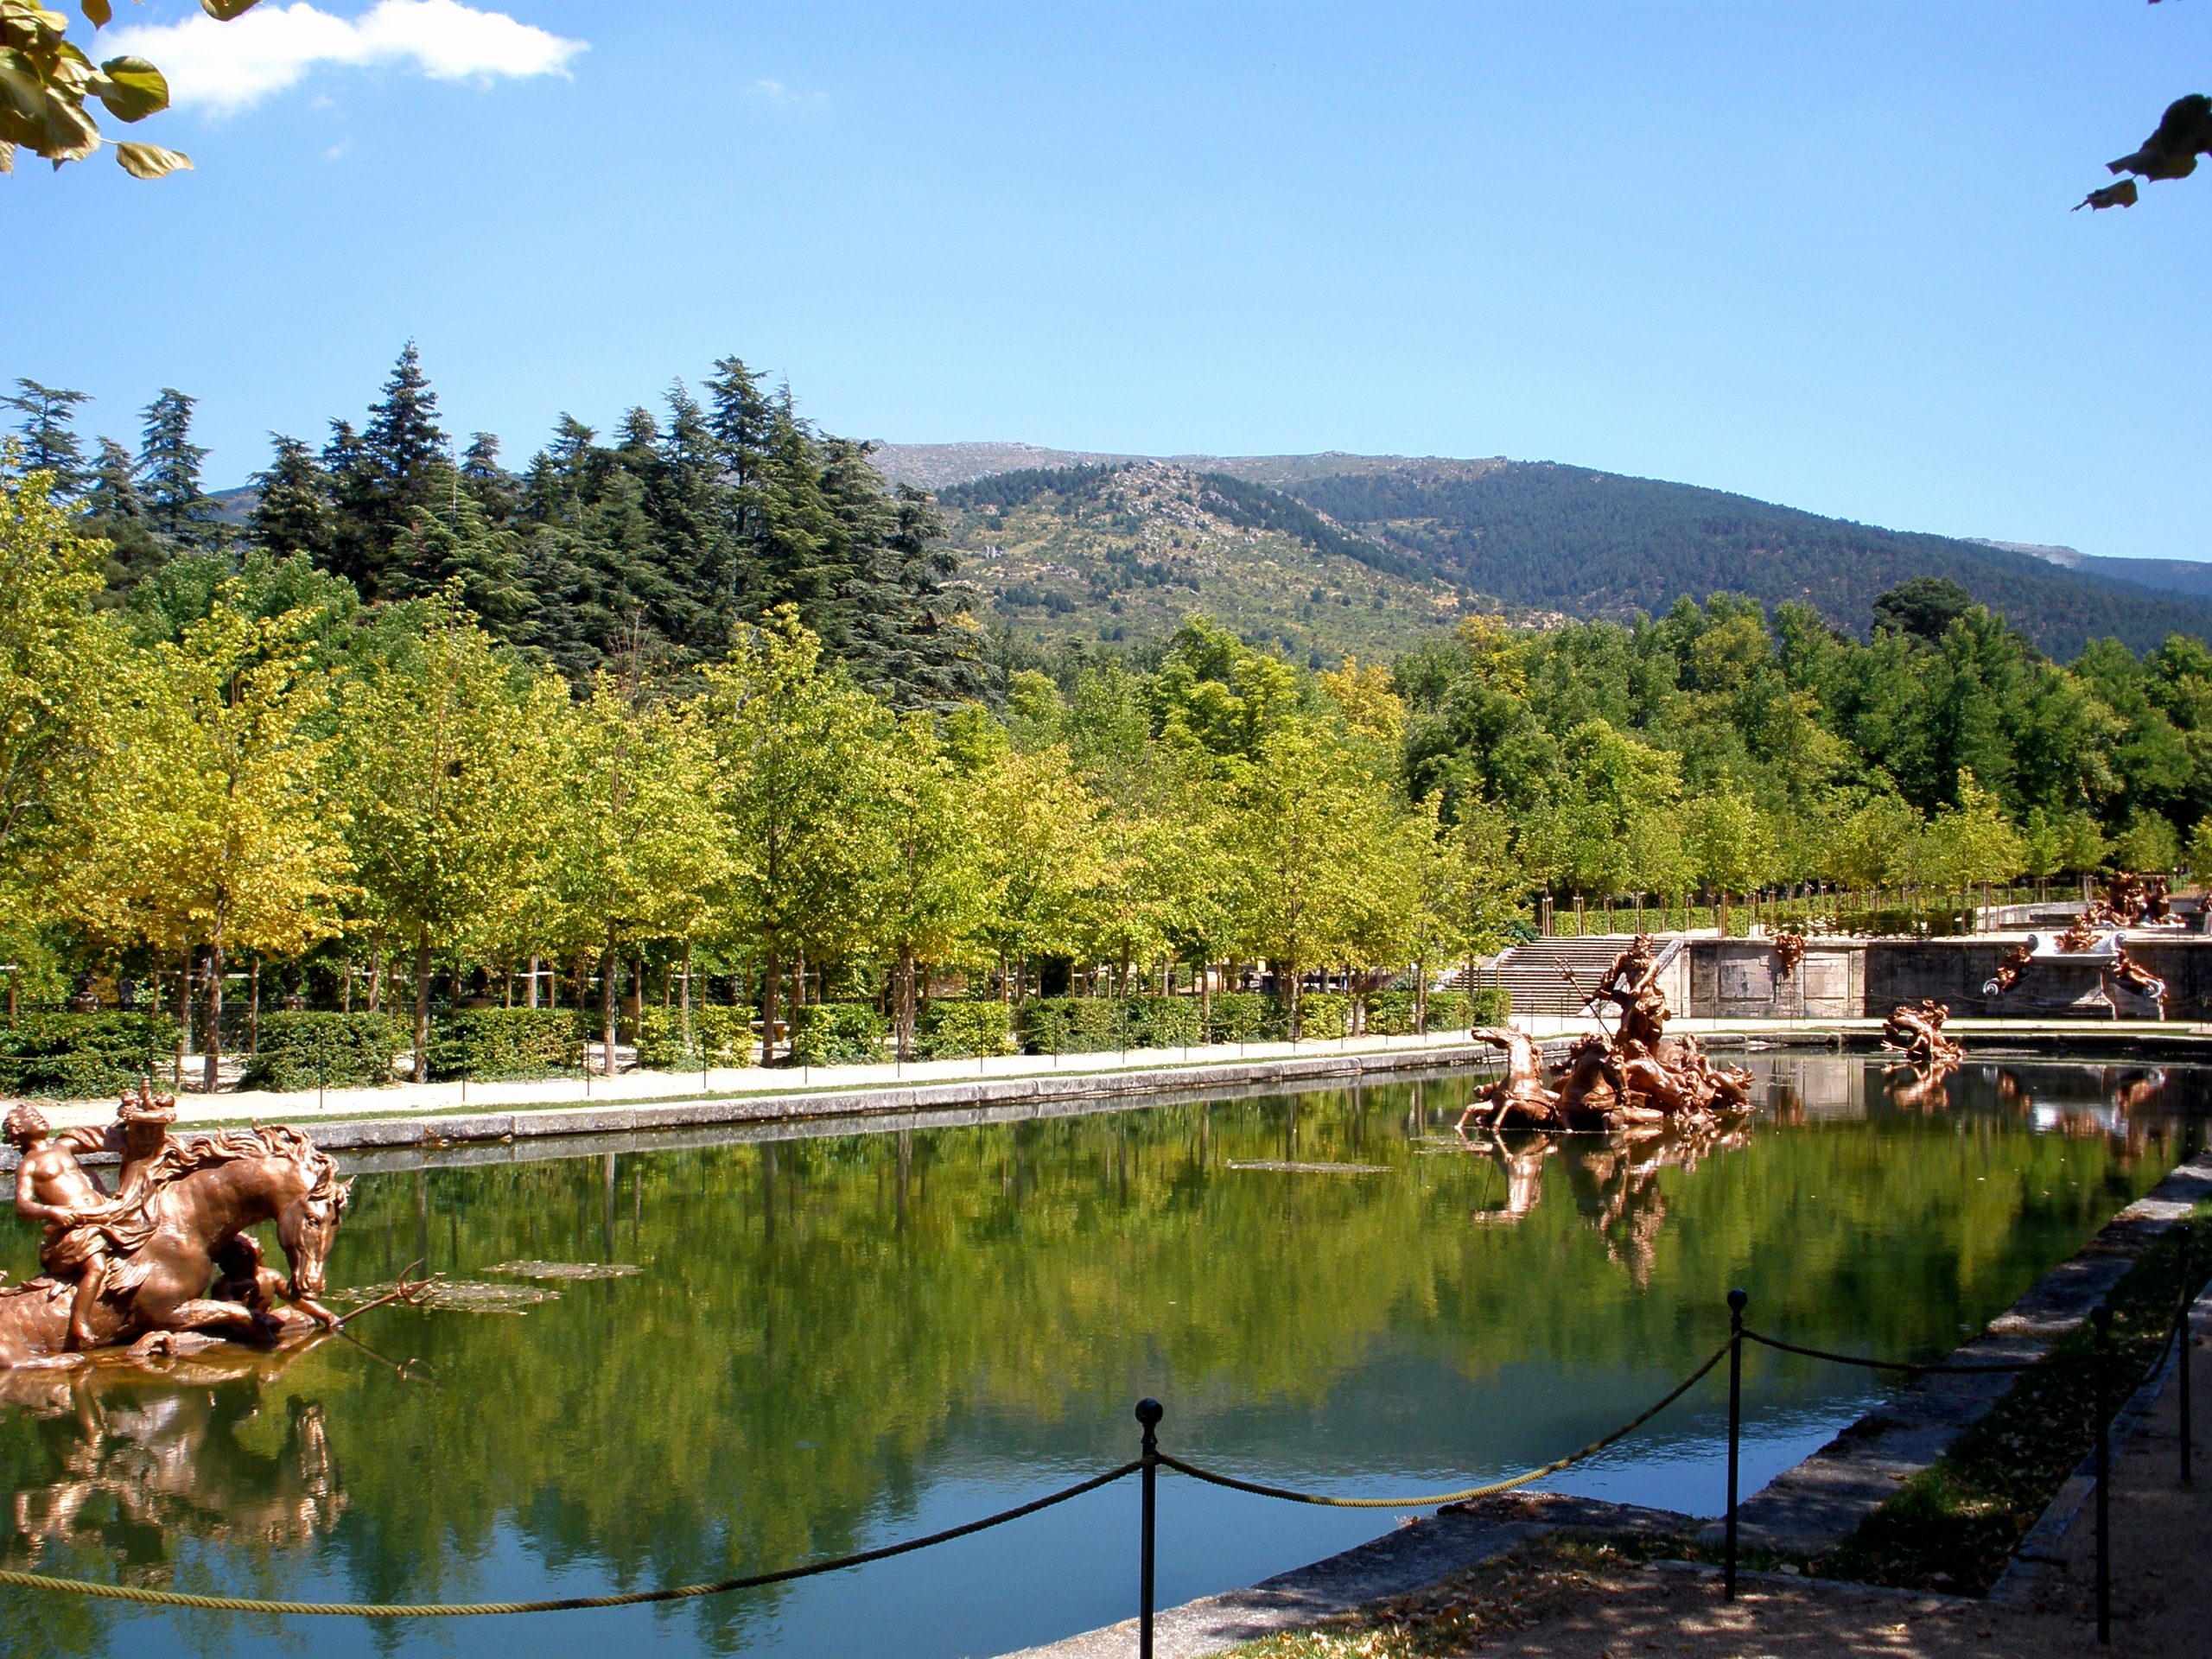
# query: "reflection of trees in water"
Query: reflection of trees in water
1613,1179
819,1320
135,1461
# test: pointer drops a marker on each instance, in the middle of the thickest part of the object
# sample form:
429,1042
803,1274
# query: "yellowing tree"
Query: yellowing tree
208,823
446,762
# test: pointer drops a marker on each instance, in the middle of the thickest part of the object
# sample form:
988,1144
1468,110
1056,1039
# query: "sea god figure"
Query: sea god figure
52,1188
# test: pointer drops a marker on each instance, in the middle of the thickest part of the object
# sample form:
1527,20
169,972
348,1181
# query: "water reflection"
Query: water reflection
836,1341
145,1460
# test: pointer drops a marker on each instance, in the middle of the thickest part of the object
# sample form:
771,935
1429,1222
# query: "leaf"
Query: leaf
150,161
2112,195
223,10
132,88
98,13
7,157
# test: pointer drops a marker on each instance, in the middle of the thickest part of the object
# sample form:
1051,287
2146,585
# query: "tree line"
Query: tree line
345,744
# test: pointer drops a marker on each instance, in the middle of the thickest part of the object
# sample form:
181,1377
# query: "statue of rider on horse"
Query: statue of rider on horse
170,1251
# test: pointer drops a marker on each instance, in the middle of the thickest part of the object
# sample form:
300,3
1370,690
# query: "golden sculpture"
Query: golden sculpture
135,1268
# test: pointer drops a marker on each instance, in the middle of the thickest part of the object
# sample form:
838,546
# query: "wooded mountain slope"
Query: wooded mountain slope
1543,537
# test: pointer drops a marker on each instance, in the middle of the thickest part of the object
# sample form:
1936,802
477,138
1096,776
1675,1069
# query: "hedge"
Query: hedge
720,1036
1323,1014
489,1043
80,1055
1493,1005
335,1051
1072,1025
836,1033
954,1029
1248,1017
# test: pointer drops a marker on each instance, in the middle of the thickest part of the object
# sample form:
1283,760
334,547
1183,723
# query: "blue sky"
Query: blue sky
1817,254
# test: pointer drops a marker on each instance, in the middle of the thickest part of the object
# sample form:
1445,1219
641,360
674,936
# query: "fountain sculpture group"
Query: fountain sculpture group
1637,1074
2095,939
168,1260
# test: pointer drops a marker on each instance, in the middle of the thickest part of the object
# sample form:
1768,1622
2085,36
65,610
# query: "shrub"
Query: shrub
1164,1022
720,1036
1390,1014
1490,1005
1247,1017
1449,1011
1322,1014
836,1033
334,1051
1072,1025
80,1055
489,1043
954,1029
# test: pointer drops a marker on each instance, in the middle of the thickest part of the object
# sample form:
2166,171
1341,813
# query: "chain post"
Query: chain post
1150,1412
1737,1299
2100,1317
2181,1346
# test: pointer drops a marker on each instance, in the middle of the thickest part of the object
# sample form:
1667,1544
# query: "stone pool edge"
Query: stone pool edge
1808,1507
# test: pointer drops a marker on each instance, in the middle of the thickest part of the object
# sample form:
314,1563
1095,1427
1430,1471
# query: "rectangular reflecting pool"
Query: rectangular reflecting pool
834,1341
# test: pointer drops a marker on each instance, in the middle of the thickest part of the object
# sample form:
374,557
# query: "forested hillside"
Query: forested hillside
1536,537
1122,552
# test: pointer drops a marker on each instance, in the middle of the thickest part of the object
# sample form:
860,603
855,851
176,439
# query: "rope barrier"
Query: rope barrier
1938,1369
1433,1499
555,1605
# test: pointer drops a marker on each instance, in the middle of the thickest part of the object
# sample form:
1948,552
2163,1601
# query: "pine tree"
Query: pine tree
354,507
402,452
690,509
913,643
169,462
116,512
483,477
292,510
798,545
451,547
48,427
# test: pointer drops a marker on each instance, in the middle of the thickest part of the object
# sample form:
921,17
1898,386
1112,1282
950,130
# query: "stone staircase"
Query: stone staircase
1531,972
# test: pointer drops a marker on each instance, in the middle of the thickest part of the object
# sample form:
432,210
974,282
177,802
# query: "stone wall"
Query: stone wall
1736,979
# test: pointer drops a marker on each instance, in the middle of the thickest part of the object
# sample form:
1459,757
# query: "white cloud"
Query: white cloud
227,67
774,91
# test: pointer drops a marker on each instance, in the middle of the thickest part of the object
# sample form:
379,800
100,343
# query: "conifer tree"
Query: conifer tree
48,426
292,510
799,541
912,642
169,465
485,478
382,475
116,512
449,548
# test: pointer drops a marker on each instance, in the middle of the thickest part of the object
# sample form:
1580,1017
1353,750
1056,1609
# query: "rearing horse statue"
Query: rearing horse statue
203,1191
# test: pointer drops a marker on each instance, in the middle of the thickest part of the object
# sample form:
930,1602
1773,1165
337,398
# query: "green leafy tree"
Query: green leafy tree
925,887
211,825
447,764
50,444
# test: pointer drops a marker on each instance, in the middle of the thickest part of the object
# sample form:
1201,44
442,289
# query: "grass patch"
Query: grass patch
1952,1527
1515,1591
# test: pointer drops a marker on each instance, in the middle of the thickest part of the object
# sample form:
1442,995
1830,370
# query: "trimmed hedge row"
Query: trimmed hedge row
955,1029
83,1054
836,1033
495,1042
334,1051
720,1036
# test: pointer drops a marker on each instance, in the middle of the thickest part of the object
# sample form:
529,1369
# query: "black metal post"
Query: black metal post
1150,1412
2181,1343
1737,1299
2101,1316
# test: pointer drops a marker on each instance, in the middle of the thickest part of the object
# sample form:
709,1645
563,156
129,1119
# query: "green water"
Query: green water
838,1340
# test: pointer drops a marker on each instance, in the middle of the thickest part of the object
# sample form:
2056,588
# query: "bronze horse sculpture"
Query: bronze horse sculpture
198,1194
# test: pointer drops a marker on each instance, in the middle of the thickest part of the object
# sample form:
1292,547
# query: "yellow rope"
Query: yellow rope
1433,1499
555,1605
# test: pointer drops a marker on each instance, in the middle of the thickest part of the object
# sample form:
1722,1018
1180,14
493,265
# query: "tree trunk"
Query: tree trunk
423,1006
1420,997
184,1013
905,1003
606,1004
253,1012
346,988
210,1070
532,994
376,973
687,997
772,983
